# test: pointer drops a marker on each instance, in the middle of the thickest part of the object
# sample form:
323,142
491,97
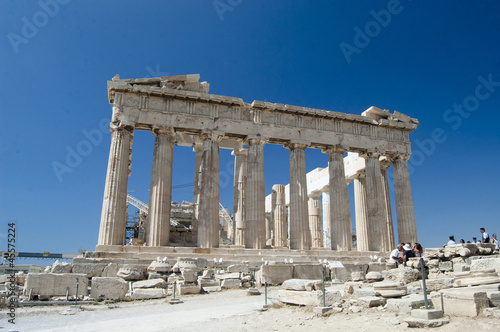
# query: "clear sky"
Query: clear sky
438,61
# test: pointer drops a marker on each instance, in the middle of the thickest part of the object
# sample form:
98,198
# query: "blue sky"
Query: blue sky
426,59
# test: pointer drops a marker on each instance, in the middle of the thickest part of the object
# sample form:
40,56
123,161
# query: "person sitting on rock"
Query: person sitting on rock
418,250
395,256
407,253
452,240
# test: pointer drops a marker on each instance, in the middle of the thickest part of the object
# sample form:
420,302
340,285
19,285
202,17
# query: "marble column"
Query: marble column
114,205
388,210
198,149
255,232
160,194
279,217
300,234
315,222
361,212
375,198
240,180
340,213
327,234
407,228
208,214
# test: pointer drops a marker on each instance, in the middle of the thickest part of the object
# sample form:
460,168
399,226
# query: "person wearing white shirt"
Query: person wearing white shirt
452,240
395,256
485,236
494,240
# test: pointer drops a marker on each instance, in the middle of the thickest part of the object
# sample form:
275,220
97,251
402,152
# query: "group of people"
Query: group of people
485,238
404,251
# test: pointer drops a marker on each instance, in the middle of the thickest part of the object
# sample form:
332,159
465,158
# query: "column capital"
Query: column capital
118,125
339,148
398,157
163,131
212,135
297,144
255,140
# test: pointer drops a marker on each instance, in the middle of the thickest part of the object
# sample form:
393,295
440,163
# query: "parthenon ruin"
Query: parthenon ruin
179,110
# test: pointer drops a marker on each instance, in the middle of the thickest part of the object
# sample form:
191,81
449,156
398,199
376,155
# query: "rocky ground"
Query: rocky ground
231,310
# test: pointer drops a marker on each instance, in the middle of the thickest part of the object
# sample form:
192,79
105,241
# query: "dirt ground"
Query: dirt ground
231,310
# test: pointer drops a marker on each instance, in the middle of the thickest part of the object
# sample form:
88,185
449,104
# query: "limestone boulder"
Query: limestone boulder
147,293
222,276
403,274
486,264
485,248
371,301
131,272
189,275
389,289
433,253
187,263
307,271
240,268
110,270
274,274
374,276
108,288
406,303
230,283
208,282
151,283
89,269
300,284
461,301
438,284
159,267
61,267
358,275
476,281
56,284
445,266
184,289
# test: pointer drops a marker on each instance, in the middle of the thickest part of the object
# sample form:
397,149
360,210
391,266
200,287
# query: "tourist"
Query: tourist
462,241
395,257
494,240
474,240
452,240
407,253
485,236
418,250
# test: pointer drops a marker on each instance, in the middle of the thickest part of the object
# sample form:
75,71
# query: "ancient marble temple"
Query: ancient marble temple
178,110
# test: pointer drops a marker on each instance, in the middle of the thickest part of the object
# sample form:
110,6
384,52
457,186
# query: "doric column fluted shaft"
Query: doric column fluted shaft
198,149
300,235
315,222
240,180
340,214
388,210
279,216
377,221
361,211
160,194
208,214
114,206
255,232
327,234
407,228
